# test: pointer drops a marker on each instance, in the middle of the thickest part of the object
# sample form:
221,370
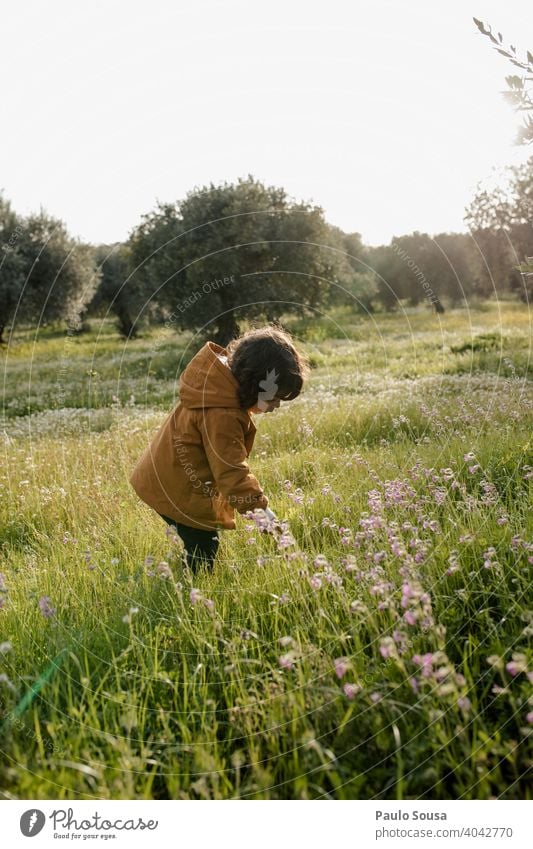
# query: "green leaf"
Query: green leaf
515,82
481,27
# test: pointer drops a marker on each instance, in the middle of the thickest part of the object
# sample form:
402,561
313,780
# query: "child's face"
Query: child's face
267,406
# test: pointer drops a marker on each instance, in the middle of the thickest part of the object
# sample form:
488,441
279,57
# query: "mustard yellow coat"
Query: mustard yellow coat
195,469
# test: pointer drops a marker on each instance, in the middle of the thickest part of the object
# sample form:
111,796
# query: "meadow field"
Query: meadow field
380,649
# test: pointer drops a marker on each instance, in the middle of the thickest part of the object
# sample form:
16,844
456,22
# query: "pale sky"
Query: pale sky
384,112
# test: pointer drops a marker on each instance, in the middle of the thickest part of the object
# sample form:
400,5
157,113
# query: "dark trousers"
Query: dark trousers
200,546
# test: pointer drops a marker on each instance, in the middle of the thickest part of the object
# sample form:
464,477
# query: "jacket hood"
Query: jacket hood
207,381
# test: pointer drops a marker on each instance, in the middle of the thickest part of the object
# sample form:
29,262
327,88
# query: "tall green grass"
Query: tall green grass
385,653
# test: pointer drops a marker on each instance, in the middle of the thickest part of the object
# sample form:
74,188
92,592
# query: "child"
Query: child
194,473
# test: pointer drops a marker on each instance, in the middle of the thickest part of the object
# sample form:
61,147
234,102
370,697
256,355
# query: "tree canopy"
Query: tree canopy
234,251
45,275
500,221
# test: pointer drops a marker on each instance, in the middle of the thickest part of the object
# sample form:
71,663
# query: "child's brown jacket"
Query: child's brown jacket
195,468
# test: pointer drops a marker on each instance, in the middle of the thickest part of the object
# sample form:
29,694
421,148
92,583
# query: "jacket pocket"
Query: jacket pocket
200,507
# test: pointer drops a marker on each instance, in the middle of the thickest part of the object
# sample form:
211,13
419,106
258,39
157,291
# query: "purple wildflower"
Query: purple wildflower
45,606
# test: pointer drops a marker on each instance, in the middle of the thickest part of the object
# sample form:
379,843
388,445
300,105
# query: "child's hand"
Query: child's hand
266,521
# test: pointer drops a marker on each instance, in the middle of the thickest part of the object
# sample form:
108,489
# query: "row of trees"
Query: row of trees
230,251
247,250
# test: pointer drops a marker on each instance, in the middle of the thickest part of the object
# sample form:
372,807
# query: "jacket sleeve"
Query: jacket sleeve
223,438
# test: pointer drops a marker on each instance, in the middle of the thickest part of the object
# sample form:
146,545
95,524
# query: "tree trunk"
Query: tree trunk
124,323
2,340
227,329
83,327
438,306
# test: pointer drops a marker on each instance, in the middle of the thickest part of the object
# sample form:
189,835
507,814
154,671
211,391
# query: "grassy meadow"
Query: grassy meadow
380,650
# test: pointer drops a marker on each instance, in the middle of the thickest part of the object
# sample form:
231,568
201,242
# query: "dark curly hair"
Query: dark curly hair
262,352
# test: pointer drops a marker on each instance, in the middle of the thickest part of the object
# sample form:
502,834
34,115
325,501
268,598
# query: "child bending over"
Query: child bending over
194,473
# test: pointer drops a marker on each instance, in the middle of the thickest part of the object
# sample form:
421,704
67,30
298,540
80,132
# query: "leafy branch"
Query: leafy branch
519,93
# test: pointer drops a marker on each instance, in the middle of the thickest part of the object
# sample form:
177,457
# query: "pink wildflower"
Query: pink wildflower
351,690
512,668
163,570
516,665
320,562
349,563
426,662
285,540
341,667
387,647
407,593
